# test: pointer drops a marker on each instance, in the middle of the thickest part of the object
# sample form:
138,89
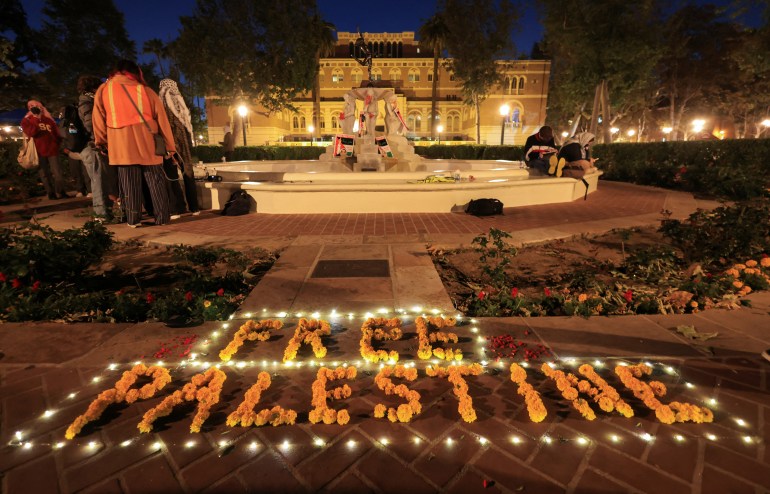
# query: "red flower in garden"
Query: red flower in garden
481,295
2,277
150,298
36,286
547,292
221,292
188,296
119,293
16,283
628,295
514,292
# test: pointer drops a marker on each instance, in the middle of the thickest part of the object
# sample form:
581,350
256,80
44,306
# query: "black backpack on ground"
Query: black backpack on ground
238,204
484,207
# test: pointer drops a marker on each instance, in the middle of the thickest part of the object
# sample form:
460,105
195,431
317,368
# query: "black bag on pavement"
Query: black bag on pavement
484,207
238,204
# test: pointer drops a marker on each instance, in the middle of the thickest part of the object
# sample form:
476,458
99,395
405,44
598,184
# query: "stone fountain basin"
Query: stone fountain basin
310,187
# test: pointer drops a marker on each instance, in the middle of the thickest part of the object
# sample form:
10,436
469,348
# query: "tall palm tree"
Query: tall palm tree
326,41
157,48
434,34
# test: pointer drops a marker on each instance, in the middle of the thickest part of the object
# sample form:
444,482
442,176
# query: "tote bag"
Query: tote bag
28,154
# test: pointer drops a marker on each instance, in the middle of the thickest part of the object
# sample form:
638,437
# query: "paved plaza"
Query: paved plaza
51,372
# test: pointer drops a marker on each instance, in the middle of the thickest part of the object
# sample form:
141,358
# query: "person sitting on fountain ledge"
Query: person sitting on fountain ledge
540,150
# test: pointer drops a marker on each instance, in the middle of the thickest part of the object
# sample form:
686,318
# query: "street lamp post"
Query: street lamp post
766,124
504,110
439,129
311,129
242,111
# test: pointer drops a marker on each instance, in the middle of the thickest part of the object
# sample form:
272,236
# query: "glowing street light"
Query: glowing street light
697,125
504,111
614,130
439,129
667,130
311,129
631,132
243,111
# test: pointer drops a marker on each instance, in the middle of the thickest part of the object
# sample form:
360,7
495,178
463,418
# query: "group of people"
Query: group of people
573,159
121,121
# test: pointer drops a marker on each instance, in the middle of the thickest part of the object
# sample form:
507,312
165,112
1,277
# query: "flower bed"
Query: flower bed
82,275
713,259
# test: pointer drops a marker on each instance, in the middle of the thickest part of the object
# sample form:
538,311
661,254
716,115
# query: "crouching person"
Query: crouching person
575,156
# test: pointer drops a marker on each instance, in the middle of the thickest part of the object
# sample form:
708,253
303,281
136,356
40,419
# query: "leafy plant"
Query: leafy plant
494,255
736,231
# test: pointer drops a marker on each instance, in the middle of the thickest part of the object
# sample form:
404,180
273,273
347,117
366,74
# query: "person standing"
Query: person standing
124,108
228,144
104,180
39,125
181,126
73,141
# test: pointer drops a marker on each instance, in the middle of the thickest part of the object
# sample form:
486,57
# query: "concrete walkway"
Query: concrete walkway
60,369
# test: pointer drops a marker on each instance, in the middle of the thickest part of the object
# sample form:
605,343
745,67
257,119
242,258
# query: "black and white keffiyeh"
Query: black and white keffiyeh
172,99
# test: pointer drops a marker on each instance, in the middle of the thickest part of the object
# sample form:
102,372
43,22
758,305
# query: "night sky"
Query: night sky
147,19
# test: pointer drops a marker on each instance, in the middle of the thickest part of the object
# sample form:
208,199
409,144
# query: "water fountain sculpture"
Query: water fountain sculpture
334,183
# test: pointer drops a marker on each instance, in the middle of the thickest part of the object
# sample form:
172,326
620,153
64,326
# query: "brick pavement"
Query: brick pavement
44,367
436,451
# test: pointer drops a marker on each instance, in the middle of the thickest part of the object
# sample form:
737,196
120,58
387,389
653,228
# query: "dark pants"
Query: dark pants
51,175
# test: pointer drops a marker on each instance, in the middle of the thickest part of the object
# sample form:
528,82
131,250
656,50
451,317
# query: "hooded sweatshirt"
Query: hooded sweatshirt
576,148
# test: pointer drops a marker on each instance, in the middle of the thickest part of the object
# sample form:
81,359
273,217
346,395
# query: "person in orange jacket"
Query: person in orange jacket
39,125
124,108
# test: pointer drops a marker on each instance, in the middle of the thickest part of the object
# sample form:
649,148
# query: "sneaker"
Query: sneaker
196,213
560,166
175,216
135,225
766,354
79,194
89,195
552,161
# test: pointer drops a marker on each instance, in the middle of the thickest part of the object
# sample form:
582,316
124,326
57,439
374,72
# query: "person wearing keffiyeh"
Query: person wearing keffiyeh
181,126
576,152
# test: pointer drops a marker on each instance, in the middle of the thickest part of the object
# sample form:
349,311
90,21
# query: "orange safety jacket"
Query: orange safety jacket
120,112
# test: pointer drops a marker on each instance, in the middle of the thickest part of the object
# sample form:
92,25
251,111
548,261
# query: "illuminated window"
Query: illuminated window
356,75
337,75
414,75
395,74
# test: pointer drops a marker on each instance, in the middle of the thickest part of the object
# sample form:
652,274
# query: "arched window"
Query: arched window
414,121
388,48
295,122
414,75
377,74
321,75
507,85
400,53
302,123
356,75
337,75
453,122
335,124
395,74
321,122
521,85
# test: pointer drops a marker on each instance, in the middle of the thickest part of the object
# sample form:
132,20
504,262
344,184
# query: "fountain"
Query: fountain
363,172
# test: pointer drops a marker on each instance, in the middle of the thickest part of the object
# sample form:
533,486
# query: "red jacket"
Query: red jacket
44,132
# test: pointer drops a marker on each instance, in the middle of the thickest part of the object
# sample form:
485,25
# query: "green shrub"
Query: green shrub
739,231
38,252
213,154
734,169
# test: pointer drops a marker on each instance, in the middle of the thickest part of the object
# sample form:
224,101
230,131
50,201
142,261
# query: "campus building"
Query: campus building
401,64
